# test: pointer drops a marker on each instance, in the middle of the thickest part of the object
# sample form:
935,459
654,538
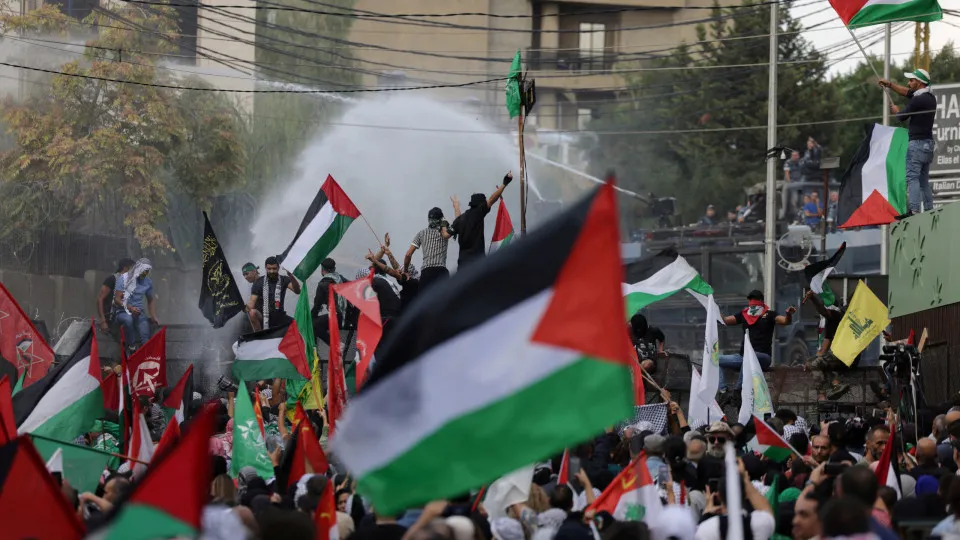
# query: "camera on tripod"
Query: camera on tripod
899,359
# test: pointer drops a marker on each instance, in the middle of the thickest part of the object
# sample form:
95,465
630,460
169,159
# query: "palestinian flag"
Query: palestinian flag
632,496
768,443
873,190
327,220
564,476
31,505
304,455
818,272
169,439
360,293
82,466
659,277
276,352
68,400
19,386
503,230
449,372
176,402
857,13
169,501
325,517
141,444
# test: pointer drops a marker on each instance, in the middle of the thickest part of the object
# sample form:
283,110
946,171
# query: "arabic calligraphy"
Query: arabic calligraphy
218,281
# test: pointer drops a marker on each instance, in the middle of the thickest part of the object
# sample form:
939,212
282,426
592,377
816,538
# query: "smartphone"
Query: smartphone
574,467
714,485
663,475
834,469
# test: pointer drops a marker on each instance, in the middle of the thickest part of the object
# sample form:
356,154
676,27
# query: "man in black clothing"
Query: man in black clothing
920,112
649,342
105,297
468,226
321,310
267,296
760,322
388,296
830,386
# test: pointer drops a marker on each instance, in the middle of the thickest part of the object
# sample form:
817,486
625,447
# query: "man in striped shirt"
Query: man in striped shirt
433,241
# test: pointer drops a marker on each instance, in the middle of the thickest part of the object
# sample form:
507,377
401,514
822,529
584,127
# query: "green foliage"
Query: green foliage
714,167
85,146
275,140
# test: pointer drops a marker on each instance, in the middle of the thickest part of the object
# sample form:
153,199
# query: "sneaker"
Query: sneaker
837,390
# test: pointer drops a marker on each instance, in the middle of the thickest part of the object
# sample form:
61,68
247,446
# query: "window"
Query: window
592,38
583,118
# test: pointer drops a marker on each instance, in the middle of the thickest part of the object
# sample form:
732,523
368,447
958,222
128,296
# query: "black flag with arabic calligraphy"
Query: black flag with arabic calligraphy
220,298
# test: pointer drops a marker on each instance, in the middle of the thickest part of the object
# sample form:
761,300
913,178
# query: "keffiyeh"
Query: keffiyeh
130,279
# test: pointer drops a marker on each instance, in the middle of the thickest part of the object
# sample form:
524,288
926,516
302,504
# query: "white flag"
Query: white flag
698,412
710,382
754,395
734,492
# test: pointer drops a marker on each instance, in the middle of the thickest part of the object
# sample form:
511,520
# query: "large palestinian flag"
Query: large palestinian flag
327,220
857,13
503,230
659,277
68,400
276,352
449,381
873,190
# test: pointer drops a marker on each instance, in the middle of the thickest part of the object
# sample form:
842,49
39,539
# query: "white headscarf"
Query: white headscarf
130,279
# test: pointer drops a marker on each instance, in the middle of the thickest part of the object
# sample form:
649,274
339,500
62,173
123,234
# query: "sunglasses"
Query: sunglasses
715,440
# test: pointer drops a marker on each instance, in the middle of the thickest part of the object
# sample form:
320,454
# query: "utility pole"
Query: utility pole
885,229
770,221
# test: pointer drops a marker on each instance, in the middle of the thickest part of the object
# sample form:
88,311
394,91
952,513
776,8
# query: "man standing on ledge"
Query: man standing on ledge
760,321
920,112
469,225
267,296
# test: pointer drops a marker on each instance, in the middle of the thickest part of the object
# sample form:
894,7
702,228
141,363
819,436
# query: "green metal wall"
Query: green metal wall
924,251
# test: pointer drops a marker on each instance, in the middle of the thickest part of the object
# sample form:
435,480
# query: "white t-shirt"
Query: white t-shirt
762,525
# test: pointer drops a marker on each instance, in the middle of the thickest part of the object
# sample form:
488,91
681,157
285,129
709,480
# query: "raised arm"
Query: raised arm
456,206
409,256
787,317
817,303
294,284
902,90
499,191
729,320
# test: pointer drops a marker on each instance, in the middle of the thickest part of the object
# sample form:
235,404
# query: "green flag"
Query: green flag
19,386
249,448
82,466
513,86
300,389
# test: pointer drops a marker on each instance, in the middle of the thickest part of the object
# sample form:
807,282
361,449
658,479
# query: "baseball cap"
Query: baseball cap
921,75
249,267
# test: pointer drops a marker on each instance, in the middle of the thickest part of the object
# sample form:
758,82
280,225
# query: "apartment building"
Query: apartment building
572,48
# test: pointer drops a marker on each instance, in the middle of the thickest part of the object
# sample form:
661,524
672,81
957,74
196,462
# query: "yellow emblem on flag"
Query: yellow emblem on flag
866,317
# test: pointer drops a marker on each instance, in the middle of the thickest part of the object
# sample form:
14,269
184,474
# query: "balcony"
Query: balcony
586,70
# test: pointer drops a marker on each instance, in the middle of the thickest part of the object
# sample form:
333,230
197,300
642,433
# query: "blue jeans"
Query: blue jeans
919,157
136,328
735,361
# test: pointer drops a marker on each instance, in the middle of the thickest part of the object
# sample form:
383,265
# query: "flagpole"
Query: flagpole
523,179
90,448
884,229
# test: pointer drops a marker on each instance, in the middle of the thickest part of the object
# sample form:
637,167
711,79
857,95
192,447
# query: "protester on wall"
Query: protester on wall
135,305
468,226
268,295
105,300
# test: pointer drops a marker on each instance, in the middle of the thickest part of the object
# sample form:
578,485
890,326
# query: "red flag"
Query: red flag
911,339
884,467
177,397
169,439
31,505
8,424
564,476
259,414
325,517
174,490
299,415
20,342
304,456
336,384
639,391
110,386
148,366
360,293
141,444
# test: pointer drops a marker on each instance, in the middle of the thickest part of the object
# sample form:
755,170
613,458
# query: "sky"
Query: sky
902,42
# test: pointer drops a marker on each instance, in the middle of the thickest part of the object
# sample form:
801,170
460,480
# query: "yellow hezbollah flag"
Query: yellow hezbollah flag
866,317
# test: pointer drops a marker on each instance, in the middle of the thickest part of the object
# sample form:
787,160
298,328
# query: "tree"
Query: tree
721,111
88,146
